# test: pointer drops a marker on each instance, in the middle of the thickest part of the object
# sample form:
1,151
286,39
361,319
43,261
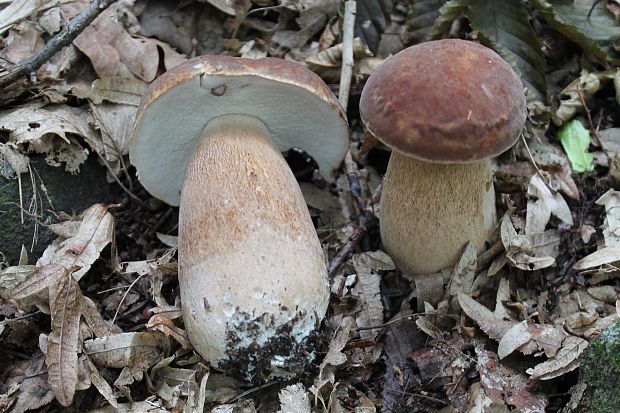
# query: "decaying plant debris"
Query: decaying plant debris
92,321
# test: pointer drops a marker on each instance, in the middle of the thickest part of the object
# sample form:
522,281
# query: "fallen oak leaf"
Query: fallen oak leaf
161,322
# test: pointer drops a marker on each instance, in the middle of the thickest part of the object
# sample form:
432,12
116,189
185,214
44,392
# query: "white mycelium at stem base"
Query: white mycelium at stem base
429,211
251,268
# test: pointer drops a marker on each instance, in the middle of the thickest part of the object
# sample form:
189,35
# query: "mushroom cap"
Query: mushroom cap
295,105
446,101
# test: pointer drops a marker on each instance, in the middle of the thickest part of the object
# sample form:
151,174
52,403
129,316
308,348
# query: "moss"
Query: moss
599,374
67,192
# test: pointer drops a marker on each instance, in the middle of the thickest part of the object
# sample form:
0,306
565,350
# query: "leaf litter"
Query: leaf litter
109,282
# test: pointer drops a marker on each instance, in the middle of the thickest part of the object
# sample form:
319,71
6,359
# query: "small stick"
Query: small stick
366,223
591,124
353,175
60,40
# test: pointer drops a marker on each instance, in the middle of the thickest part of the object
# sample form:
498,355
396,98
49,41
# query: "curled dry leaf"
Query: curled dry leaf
611,226
543,338
542,204
161,322
565,360
37,127
529,252
514,338
83,249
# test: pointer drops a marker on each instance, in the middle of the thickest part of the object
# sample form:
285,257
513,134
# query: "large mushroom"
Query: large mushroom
445,108
252,273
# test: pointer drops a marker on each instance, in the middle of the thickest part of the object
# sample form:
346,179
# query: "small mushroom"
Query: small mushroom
445,108
252,273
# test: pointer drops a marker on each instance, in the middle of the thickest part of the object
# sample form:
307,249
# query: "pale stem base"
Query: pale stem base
250,261
429,211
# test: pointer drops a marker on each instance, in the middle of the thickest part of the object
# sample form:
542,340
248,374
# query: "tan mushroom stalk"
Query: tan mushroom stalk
252,273
445,108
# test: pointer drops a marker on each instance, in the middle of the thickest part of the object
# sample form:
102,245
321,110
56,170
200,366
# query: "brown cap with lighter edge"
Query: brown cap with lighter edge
445,101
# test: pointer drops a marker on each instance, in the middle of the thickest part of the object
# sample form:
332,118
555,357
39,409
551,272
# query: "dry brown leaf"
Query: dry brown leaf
63,341
428,289
545,204
37,127
115,122
16,11
29,384
113,89
611,225
138,351
42,278
161,322
333,358
605,293
100,383
23,41
12,162
514,338
10,277
367,265
607,255
543,338
83,249
564,361
584,87
502,383
136,407
529,252
114,52
464,272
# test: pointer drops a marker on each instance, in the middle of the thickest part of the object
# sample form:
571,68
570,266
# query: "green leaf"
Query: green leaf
421,18
575,140
504,26
449,12
595,34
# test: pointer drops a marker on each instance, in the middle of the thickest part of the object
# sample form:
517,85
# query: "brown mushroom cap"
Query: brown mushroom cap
447,101
295,105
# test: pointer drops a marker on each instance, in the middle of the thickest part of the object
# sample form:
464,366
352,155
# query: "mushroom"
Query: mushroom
252,273
445,108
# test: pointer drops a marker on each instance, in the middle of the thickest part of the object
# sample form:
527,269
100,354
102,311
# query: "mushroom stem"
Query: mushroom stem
251,267
429,211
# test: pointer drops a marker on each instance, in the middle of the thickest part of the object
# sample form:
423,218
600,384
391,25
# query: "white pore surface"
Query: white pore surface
172,125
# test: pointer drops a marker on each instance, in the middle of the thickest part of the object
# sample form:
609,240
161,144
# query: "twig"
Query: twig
365,219
53,46
591,124
349,246
542,176
346,71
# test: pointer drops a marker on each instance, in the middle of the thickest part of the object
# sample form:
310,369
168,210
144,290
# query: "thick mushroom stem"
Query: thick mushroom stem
429,211
252,273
